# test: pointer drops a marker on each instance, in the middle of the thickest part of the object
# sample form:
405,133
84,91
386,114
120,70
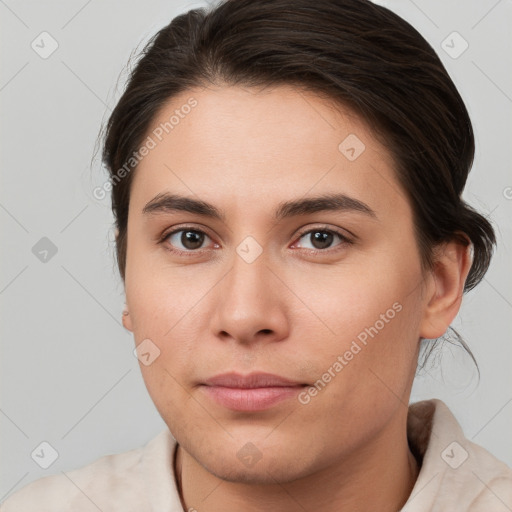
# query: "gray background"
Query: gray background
68,374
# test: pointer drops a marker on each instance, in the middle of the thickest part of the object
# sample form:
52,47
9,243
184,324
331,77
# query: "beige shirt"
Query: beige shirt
456,475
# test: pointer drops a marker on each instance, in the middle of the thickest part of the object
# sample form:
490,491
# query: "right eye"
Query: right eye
191,240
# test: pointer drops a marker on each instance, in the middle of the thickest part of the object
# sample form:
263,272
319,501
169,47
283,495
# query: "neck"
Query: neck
378,476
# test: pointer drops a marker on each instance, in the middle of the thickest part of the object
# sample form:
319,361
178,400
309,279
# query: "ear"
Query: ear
127,321
452,264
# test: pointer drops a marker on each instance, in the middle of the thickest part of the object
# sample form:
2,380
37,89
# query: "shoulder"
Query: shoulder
488,479
456,474
112,482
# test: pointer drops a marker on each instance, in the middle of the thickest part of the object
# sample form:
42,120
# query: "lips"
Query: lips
253,380
250,393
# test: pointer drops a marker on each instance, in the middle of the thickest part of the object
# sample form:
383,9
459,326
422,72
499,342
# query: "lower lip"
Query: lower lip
250,399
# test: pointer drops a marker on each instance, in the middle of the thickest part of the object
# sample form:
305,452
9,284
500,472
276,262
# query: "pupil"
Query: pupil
191,239
322,238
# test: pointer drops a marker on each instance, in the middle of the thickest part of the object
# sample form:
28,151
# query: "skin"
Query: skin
291,311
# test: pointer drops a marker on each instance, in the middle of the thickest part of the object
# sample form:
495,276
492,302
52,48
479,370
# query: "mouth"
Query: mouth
250,393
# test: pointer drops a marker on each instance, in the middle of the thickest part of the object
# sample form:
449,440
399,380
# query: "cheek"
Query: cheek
369,330
167,308
162,299
365,370
343,304
171,398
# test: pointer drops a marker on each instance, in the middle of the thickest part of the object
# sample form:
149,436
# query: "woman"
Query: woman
286,180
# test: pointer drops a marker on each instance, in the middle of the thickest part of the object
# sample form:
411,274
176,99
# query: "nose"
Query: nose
251,303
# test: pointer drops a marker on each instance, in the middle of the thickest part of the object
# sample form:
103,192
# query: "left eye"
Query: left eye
322,238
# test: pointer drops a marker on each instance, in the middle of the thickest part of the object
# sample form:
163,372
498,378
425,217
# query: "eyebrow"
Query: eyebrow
168,203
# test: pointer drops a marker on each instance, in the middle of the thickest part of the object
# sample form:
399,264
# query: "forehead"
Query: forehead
246,144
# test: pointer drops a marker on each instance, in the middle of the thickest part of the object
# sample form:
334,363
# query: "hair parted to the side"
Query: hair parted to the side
354,52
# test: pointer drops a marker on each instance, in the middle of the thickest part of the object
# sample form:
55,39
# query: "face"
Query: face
327,295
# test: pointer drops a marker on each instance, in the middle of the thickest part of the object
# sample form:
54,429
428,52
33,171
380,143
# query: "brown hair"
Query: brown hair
357,53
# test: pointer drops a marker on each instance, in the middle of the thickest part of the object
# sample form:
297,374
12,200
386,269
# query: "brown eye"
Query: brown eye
322,239
186,239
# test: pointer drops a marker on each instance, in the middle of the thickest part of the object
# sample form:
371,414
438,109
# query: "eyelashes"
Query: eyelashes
192,240
195,238
329,232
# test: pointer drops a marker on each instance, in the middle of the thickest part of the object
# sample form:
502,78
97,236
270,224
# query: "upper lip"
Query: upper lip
252,380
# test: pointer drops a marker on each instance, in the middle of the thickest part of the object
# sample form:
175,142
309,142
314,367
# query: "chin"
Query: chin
263,473
267,464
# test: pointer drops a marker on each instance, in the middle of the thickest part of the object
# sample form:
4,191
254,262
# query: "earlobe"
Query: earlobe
127,322
452,264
